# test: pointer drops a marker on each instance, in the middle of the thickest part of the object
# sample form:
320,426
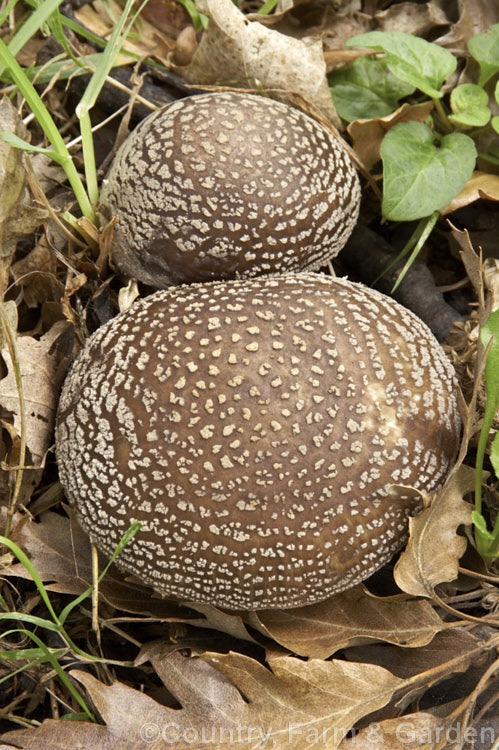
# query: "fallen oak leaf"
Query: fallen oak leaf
417,731
350,618
231,701
434,548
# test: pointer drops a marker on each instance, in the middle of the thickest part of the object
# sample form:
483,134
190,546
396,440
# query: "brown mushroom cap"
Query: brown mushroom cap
227,185
254,428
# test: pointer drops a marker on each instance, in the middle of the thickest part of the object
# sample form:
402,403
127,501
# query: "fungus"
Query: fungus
254,427
227,185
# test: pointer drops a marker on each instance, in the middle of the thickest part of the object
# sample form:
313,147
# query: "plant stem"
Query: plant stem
443,115
87,143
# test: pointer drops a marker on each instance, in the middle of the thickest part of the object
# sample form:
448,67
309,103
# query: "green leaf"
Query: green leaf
14,140
469,103
418,177
485,50
414,60
494,454
490,331
365,88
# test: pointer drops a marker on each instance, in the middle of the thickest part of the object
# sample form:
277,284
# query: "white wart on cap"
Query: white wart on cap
254,427
227,185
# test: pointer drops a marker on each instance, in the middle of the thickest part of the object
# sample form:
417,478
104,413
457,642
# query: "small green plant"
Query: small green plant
487,542
41,653
425,165
47,13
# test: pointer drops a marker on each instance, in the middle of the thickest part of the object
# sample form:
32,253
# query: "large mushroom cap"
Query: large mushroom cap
254,428
226,185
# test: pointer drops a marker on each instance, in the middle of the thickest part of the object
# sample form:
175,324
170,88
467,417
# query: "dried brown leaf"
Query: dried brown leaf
450,651
419,731
42,364
64,735
475,17
350,618
480,185
232,700
226,622
412,18
434,548
36,273
146,40
368,134
235,50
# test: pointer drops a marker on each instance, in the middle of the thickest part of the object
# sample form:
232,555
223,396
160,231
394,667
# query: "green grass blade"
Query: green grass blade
4,14
107,61
26,562
39,622
50,658
129,534
49,127
31,26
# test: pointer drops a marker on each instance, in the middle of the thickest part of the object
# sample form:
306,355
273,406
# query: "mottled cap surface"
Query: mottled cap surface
254,427
228,185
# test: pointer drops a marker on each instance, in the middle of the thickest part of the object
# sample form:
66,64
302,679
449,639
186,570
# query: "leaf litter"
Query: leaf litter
406,660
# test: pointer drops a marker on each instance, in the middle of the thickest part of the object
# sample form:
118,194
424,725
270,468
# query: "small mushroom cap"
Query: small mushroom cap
254,428
227,185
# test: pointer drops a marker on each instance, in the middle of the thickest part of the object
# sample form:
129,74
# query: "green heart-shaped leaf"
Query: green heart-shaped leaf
485,49
418,177
422,64
365,89
469,103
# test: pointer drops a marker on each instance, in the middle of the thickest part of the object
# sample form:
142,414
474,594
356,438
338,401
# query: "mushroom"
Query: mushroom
228,185
254,427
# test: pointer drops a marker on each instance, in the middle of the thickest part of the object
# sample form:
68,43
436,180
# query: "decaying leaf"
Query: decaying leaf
36,273
16,217
421,731
146,40
434,548
412,18
480,185
236,51
368,134
347,619
229,701
42,365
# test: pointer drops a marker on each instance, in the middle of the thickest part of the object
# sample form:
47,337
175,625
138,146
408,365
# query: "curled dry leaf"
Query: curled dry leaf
16,217
225,622
36,274
368,134
350,618
42,365
475,17
480,185
434,548
234,49
412,18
